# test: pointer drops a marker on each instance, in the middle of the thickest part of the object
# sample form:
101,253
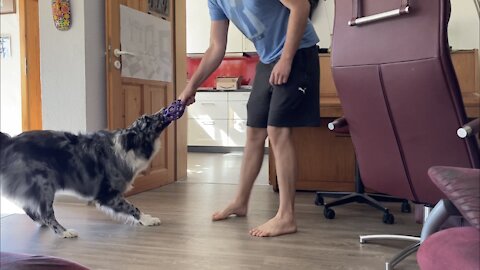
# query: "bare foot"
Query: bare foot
232,209
275,227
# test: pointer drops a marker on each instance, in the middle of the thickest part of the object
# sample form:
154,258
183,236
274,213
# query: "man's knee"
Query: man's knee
256,135
279,135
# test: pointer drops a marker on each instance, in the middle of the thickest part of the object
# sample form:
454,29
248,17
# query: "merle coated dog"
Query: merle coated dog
100,167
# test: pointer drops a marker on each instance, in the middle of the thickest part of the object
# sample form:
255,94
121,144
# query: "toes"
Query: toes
219,216
255,232
215,216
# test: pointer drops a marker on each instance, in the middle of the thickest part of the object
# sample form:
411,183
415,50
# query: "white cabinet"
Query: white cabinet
248,45
207,132
209,106
237,105
237,132
218,119
198,31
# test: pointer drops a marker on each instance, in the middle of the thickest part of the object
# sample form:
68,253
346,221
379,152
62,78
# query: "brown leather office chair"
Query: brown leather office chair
400,97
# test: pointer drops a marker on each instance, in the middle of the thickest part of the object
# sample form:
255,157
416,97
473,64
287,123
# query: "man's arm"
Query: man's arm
297,22
210,61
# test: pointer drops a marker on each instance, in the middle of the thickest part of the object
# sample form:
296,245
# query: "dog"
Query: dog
98,167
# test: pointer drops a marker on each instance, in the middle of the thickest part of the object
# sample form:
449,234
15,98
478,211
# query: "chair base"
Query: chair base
389,265
360,197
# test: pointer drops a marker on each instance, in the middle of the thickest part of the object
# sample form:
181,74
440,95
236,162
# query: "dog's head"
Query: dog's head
143,136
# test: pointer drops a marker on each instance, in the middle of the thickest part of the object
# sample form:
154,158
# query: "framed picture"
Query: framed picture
7,6
160,7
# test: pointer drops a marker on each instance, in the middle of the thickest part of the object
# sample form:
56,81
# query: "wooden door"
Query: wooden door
129,98
30,67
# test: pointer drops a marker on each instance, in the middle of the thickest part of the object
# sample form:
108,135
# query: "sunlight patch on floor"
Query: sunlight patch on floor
9,208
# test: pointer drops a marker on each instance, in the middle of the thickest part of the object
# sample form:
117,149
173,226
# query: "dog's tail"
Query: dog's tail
4,140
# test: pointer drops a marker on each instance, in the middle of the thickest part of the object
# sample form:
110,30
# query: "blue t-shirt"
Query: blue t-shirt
264,22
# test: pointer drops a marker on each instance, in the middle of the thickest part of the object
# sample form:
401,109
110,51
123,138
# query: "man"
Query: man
285,93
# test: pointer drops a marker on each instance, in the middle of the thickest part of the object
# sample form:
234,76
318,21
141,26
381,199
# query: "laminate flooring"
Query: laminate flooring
188,239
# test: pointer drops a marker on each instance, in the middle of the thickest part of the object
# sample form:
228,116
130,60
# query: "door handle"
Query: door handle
119,53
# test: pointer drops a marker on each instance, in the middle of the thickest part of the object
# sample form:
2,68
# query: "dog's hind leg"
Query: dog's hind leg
48,218
47,215
122,209
34,216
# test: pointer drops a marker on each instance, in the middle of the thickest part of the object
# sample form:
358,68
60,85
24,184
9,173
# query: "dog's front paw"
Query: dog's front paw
147,220
69,233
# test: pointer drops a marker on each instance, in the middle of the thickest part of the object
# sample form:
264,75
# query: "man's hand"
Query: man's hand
280,72
187,96
297,23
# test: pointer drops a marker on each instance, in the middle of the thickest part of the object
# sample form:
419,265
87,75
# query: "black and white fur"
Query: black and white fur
99,166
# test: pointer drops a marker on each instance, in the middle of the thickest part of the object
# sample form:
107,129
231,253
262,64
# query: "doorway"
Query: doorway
30,65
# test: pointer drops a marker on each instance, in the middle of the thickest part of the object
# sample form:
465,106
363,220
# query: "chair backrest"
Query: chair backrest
399,93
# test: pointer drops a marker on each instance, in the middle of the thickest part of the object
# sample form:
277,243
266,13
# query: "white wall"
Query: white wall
10,86
464,25
72,67
463,29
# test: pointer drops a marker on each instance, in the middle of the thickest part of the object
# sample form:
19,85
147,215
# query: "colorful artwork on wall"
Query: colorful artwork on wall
62,16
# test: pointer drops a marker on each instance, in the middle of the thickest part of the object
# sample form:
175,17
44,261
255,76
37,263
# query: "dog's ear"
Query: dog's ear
129,141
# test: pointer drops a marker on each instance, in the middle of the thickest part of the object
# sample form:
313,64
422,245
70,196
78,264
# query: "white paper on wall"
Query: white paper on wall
5,51
149,39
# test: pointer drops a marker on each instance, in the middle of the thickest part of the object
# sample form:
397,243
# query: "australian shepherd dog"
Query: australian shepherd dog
99,167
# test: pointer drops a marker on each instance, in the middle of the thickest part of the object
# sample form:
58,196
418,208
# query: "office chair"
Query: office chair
456,247
399,94
359,195
453,247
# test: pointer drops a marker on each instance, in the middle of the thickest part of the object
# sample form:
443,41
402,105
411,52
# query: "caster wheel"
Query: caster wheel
388,218
406,208
329,213
319,200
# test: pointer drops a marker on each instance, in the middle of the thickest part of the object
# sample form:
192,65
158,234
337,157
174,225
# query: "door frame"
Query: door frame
115,101
30,65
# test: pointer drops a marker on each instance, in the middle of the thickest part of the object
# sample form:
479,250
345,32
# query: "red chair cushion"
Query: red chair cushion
15,261
454,248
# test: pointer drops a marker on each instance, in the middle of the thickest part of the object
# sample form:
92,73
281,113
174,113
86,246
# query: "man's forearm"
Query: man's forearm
210,62
297,23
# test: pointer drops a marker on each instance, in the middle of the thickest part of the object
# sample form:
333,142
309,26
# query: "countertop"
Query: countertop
220,90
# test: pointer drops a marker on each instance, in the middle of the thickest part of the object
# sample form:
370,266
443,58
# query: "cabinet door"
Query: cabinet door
209,106
237,105
237,110
237,132
198,29
207,132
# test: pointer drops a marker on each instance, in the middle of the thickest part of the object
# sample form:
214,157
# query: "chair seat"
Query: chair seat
462,186
454,248
16,261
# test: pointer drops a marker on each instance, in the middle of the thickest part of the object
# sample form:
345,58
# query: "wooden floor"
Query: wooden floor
187,239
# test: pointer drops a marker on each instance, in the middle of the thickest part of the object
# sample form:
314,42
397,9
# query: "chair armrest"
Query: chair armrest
440,213
339,125
469,129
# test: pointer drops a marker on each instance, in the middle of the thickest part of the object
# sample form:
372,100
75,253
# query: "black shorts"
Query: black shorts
293,104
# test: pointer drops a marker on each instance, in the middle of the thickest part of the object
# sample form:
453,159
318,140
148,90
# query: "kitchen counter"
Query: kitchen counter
220,90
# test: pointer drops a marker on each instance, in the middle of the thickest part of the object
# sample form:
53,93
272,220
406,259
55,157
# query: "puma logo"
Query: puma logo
302,89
